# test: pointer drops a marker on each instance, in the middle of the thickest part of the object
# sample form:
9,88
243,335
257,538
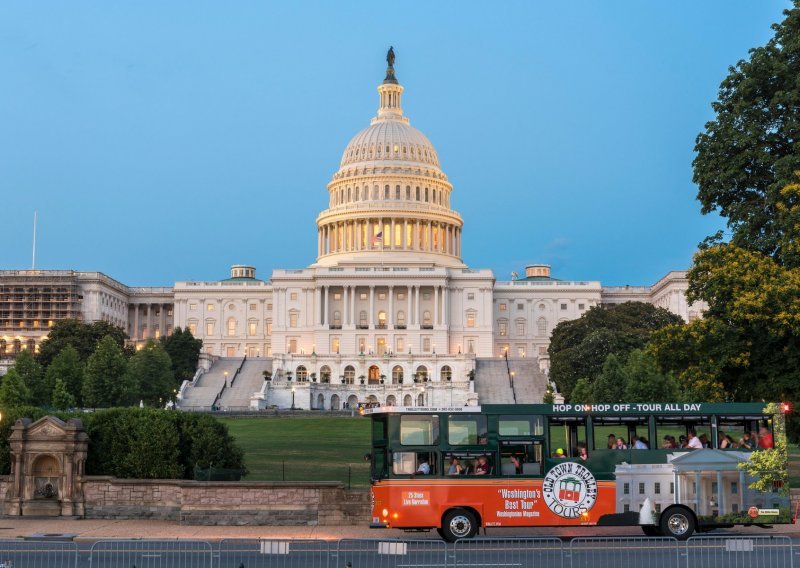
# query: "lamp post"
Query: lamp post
226,377
292,398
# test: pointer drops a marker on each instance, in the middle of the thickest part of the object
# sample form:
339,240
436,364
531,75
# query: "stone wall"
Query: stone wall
225,503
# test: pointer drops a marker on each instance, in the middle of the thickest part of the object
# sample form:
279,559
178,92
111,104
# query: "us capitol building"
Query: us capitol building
387,313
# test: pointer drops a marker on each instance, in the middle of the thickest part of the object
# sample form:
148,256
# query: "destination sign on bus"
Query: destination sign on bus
422,409
630,407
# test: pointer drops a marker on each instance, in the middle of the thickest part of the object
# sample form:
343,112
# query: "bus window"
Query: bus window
678,427
565,433
378,429
520,425
742,432
419,430
521,459
469,430
608,430
409,463
379,463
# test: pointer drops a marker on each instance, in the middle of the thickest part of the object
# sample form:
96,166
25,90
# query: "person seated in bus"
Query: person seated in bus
455,467
583,451
683,441
424,467
559,453
765,440
704,440
748,441
693,442
639,443
612,441
668,443
621,444
724,441
482,468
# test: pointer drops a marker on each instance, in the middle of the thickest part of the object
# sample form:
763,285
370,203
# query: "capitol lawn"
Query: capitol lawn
313,448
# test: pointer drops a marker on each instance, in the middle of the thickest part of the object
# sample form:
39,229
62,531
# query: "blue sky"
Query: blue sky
166,141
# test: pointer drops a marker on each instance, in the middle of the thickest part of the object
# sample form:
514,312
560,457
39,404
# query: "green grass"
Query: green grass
304,448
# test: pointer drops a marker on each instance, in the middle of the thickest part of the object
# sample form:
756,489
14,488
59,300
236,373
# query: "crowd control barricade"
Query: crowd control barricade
739,551
38,553
482,552
389,553
274,553
613,552
151,554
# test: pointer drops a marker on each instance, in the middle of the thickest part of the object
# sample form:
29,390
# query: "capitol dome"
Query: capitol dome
389,195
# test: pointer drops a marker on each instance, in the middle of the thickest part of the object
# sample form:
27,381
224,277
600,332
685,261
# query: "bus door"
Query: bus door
565,432
378,458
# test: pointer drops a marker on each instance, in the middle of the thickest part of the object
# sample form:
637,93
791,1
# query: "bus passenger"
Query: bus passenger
583,452
639,443
683,441
668,442
694,442
612,442
765,440
747,442
517,465
455,467
621,444
704,440
559,453
483,466
424,467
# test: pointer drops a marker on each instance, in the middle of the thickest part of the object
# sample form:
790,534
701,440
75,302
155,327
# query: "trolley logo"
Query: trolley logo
569,489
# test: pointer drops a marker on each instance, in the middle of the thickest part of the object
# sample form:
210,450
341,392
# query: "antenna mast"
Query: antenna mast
33,260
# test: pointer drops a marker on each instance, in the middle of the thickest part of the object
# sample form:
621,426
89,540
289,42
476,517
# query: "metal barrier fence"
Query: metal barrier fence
610,552
389,553
275,553
479,552
739,552
151,554
38,554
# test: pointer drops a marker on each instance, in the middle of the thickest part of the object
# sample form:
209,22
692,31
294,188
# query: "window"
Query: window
401,318
624,427
269,307
382,319
565,432
293,296
678,426
521,352
269,327
426,344
252,307
231,327
401,296
502,327
563,306
426,296
520,307
292,346
408,463
470,296
470,346
672,488
471,318
466,430
337,295
193,328
734,488
542,350
335,344
210,307
363,295
426,318
401,344
362,344
658,508
518,425
301,374
337,318
419,430
362,318
293,319
252,328
382,295
209,328
541,326
657,488
502,307
626,489
349,374
520,328
192,306
581,306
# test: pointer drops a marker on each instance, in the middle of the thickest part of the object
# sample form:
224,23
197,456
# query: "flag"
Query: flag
378,238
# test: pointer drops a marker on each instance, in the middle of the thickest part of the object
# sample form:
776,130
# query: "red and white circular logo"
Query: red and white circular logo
569,489
753,512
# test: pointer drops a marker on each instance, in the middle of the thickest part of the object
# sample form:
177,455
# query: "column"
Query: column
415,306
390,319
325,293
409,292
136,329
318,303
697,493
392,236
149,321
368,243
346,310
676,497
162,324
435,305
445,300
720,495
742,493
371,307
429,230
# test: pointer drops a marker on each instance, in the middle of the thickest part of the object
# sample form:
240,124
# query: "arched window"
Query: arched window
325,374
541,326
321,402
301,373
386,192
397,192
401,318
374,375
382,319
408,193
417,194
421,399
391,400
349,375
407,400
422,374
335,402
426,195
352,401
397,375
446,373
231,327
471,318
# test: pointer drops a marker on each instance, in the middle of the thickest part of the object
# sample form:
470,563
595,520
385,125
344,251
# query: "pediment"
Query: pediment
47,427
710,457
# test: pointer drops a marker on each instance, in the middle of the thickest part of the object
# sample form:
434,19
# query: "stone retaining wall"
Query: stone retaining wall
225,502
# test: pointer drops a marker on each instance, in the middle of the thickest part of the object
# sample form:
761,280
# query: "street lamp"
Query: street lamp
292,398
226,377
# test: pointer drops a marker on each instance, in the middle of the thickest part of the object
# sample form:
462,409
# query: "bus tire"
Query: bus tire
651,530
458,524
677,522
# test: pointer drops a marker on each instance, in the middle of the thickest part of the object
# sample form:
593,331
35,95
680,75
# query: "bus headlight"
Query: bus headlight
385,512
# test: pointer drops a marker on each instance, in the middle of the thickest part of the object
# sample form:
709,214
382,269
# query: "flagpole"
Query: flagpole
33,258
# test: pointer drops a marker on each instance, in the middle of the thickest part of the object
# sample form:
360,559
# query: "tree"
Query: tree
748,153
578,348
150,374
67,367
582,392
770,467
645,382
610,385
13,390
184,352
30,373
62,398
549,394
105,382
82,336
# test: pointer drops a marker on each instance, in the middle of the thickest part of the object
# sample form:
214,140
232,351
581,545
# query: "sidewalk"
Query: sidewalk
12,527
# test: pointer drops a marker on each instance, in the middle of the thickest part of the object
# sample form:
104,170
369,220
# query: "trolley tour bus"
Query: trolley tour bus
671,468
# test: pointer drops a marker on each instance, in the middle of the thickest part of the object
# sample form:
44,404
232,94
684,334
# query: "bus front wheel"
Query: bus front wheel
459,523
677,522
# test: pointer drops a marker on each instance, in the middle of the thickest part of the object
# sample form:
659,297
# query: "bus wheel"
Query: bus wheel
459,523
677,522
651,530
